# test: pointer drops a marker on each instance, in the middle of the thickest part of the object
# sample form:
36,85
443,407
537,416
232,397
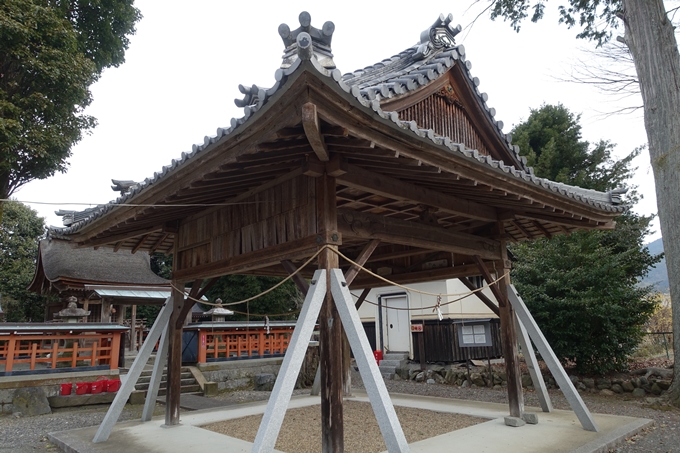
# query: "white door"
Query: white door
397,326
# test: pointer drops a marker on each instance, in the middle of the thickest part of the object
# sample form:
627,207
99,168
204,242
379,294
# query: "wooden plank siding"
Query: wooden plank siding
444,113
273,217
442,345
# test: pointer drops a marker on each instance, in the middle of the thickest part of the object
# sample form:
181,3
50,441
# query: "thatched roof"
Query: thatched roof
63,266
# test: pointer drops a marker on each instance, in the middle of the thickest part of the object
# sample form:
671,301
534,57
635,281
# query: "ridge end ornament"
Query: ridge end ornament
321,42
441,35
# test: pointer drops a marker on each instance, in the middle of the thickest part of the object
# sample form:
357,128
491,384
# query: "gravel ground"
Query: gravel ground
301,428
28,435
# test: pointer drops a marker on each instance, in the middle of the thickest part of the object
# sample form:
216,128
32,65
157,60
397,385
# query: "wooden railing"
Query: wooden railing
223,343
43,348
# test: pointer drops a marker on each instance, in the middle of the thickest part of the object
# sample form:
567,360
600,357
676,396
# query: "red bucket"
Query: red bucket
99,386
82,388
66,389
113,385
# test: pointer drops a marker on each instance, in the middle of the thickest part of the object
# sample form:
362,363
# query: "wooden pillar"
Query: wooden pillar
133,328
330,327
507,318
86,306
106,310
172,399
120,314
508,331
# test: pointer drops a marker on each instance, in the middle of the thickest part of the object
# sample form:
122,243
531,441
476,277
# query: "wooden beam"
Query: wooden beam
140,243
207,287
489,279
543,229
362,298
310,123
158,243
399,254
564,221
120,237
522,230
363,257
189,303
481,296
395,231
300,282
386,186
300,248
468,270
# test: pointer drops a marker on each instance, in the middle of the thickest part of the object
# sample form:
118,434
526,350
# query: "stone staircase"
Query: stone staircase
390,362
189,384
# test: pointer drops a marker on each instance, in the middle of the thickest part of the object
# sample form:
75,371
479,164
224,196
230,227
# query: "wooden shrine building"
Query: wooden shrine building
105,282
395,166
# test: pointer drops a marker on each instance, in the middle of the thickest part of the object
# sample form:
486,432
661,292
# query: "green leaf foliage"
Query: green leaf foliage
50,54
595,18
20,231
284,300
582,288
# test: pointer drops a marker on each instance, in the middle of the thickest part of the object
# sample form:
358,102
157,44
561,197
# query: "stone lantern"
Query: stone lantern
218,313
72,313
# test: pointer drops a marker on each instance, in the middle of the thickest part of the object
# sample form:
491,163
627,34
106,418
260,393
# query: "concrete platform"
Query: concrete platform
558,431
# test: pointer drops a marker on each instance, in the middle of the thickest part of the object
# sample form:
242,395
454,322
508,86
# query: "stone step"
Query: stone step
391,363
386,375
193,389
387,369
164,384
147,379
395,356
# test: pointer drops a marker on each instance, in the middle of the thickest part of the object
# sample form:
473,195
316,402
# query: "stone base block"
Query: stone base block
514,421
531,418
210,389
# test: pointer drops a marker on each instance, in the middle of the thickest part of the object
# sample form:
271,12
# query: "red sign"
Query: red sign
416,327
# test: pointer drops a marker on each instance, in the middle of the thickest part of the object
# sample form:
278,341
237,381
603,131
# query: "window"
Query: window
473,334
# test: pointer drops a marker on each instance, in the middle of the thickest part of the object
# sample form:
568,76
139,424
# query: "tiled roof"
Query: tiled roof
405,71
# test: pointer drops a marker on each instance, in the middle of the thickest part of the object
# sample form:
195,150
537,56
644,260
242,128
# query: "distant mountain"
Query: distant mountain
658,275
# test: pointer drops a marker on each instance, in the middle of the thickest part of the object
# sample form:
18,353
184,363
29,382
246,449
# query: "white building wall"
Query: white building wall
421,305
470,307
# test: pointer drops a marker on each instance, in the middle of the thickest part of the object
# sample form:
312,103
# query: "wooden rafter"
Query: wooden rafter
376,183
140,243
396,231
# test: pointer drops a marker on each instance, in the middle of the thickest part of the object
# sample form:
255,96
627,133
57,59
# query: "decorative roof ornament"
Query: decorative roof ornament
297,42
123,186
439,36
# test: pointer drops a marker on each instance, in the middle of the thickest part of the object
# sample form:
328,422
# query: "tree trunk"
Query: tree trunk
650,37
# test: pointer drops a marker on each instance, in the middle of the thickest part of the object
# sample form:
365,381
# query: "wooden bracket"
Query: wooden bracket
310,123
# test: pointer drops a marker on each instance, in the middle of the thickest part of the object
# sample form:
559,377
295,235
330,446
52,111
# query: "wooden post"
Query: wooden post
106,310
507,318
133,328
115,351
172,399
330,327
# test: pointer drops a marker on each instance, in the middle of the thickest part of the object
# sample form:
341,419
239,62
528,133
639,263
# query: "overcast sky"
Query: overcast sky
186,60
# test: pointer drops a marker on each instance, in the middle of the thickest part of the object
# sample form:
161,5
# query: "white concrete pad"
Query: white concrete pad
557,431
